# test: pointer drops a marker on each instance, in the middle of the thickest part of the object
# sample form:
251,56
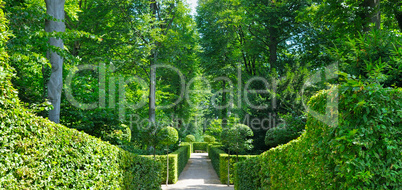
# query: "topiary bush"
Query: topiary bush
209,139
189,138
168,136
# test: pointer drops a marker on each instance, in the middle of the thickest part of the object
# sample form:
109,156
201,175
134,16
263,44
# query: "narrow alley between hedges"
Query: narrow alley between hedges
198,174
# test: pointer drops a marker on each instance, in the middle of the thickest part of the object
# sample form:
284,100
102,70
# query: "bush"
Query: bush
292,128
190,145
189,138
247,174
168,136
37,154
215,129
209,139
219,160
177,161
200,146
361,152
117,135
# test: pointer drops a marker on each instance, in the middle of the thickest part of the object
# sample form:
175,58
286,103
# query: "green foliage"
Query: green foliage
359,153
215,129
236,138
177,161
219,160
190,145
38,154
168,136
189,138
214,154
209,139
247,174
374,57
200,146
173,167
117,136
291,129
88,160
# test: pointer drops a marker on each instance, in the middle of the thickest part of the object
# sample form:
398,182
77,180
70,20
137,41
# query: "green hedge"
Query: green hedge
200,146
219,160
190,146
362,152
177,161
38,154
247,174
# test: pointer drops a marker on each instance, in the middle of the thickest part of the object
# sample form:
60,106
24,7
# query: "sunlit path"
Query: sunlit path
198,174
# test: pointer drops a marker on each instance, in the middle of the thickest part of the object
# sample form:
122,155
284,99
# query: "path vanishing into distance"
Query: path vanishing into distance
198,174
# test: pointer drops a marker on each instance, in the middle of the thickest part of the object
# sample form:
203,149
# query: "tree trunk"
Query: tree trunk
228,167
167,166
152,81
273,48
398,16
224,110
55,8
373,16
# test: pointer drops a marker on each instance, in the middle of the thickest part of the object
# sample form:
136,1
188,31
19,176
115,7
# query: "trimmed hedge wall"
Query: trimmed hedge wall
247,174
219,160
37,154
190,146
177,161
362,152
200,146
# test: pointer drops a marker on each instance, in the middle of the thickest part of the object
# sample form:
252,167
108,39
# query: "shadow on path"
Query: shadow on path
198,174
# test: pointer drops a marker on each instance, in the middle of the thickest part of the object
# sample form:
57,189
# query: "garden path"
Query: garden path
198,174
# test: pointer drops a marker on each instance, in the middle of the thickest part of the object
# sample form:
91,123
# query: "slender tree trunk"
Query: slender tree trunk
152,81
152,78
167,166
228,167
398,16
373,16
55,8
224,110
273,48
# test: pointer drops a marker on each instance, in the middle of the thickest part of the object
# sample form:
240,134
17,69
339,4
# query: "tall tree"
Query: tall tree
55,9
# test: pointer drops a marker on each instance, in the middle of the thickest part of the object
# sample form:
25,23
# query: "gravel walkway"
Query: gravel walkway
198,174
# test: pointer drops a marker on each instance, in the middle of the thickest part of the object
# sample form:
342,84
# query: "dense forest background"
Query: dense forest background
247,61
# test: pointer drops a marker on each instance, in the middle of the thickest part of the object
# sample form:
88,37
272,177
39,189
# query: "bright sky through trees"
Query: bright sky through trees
193,4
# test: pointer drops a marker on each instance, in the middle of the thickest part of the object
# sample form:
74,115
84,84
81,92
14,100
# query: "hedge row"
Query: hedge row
190,145
177,161
361,152
200,146
247,174
219,160
38,154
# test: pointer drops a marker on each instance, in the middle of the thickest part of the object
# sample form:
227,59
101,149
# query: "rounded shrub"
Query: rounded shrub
117,135
209,139
168,136
189,138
